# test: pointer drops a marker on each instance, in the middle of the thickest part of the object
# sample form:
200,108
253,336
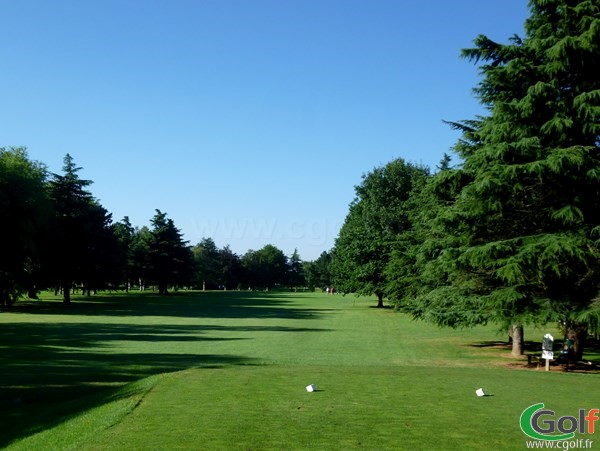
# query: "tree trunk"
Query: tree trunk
379,300
577,333
66,293
32,292
162,288
518,339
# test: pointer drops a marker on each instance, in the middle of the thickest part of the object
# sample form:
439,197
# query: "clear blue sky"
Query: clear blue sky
248,121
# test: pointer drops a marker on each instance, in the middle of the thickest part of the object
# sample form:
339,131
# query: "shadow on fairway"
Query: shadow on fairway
490,344
232,304
46,367
54,369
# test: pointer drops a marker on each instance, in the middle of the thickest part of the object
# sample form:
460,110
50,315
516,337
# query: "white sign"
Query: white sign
548,343
548,355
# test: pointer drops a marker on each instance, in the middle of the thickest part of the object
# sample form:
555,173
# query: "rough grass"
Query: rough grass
229,370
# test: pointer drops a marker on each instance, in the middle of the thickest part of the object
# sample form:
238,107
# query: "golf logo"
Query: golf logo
541,424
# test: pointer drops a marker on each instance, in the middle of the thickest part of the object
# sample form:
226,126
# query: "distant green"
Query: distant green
228,370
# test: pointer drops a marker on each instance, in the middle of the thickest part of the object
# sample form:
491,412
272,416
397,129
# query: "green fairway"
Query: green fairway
229,370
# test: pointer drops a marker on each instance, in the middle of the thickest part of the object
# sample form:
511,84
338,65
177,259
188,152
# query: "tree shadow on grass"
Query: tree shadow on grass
46,365
490,344
503,348
54,370
231,304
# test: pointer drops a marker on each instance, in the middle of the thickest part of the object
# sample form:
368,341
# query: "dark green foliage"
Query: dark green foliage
171,260
295,276
56,234
265,268
140,256
231,272
206,258
318,273
420,263
123,257
25,213
520,241
377,216
83,237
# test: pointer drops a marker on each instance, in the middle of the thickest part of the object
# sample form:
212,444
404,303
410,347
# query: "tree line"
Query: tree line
56,235
511,233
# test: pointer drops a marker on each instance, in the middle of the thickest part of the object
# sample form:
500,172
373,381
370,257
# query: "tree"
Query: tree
140,256
265,268
317,272
230,271
100,256
376,217
529,216
295,271
206,258
124,233
171,260
25,211
82,231
414,268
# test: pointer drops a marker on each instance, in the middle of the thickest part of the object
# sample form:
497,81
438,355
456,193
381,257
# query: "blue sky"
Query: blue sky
246,121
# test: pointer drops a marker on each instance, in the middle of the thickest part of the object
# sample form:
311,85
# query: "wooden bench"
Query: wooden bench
535,358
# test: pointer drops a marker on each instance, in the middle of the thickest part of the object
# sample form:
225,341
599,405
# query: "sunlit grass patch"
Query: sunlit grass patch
229,371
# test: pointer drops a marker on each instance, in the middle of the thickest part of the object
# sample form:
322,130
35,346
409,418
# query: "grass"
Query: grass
229,370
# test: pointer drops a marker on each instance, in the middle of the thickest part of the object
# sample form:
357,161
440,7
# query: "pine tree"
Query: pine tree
83,235
295,271
171,260
419,267
529,217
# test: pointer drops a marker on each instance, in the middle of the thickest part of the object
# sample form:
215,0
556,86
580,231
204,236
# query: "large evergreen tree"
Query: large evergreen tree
415,268
83,237
295,276
171,260
529,217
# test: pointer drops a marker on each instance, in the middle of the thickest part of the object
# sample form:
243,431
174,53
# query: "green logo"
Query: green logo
539,423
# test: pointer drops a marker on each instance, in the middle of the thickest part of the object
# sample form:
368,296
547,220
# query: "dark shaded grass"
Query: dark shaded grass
52,368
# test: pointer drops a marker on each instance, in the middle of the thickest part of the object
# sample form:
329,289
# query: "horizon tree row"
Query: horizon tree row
55,234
